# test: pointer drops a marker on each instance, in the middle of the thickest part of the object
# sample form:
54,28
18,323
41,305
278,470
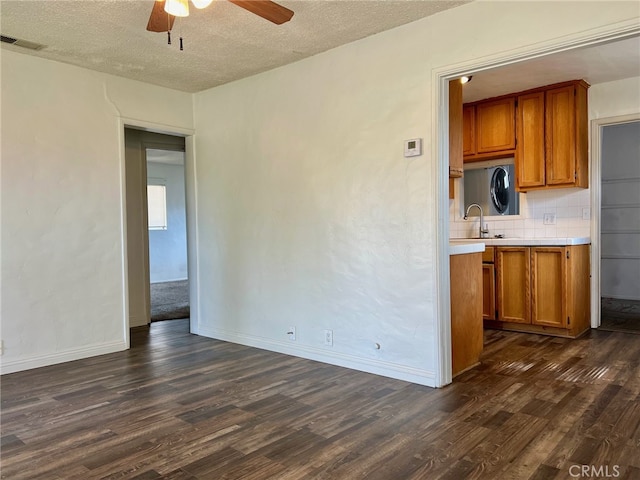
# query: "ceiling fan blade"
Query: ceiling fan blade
160,21
266,9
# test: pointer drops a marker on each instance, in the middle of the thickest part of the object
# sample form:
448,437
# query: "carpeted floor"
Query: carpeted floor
169,300
620,315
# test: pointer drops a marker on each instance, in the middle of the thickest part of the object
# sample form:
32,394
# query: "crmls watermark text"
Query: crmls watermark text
594,471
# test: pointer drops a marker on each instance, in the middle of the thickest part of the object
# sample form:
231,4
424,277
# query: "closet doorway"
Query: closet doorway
620,227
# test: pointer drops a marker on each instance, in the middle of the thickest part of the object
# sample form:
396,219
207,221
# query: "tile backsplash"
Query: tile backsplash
571,207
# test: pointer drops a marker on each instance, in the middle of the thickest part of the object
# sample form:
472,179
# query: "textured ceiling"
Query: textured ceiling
597,64
225,42
222,43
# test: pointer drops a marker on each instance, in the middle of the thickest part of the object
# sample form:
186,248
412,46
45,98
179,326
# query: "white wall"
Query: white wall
312,217
613,99
62,225
168,248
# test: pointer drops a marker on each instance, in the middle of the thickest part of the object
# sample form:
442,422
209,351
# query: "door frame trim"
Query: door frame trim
191,214
597,127
440,150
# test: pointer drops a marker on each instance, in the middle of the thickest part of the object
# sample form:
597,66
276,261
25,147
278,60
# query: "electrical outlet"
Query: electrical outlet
328,338
549,219
586,213
292,333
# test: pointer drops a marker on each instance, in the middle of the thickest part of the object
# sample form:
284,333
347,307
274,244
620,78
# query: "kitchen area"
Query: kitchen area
519,215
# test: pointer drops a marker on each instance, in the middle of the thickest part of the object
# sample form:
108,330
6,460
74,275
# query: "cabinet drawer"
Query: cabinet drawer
488,256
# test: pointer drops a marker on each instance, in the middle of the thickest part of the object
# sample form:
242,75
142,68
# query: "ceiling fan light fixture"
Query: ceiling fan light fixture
177,8
201,3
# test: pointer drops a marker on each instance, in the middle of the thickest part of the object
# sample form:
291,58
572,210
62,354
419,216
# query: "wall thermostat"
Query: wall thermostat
413,147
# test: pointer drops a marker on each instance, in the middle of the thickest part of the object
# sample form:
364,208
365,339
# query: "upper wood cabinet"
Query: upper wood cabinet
530,153
468,130
489,129
496,125
552,137
455,129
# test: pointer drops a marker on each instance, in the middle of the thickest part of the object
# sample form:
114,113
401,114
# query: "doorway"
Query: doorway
156,222
620,227
167,234
497,64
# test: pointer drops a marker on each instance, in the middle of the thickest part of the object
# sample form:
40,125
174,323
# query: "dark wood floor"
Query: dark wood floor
620,315
179,406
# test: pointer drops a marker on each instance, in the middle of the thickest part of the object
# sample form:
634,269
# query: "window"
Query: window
157,203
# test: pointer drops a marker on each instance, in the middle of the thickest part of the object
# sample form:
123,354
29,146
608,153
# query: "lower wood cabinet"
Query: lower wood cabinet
513,284
488,291
488,284
550,286
466,311
542,289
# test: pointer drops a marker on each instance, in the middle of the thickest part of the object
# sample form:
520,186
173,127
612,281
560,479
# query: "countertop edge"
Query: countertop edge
464,248
535,242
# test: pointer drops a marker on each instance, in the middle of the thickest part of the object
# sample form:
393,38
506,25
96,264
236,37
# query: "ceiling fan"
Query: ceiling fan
165,12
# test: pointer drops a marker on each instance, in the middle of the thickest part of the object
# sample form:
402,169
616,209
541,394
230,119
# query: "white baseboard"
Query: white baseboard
377,367
13,366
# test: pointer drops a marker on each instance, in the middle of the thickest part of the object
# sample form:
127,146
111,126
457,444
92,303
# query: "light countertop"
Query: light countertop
534,242
467,247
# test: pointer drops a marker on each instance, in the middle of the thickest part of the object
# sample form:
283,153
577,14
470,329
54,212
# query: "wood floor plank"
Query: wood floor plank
181,407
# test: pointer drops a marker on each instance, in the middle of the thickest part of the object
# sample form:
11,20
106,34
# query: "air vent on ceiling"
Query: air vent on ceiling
21,43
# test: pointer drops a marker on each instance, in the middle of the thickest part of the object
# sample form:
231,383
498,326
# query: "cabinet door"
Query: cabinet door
560,136
455,129
549,286
488,291
496,126
469,130
513,284
530,151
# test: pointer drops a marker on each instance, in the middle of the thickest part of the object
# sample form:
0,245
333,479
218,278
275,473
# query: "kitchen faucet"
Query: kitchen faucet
482,232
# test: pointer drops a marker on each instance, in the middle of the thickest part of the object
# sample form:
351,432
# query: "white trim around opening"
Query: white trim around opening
440,150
